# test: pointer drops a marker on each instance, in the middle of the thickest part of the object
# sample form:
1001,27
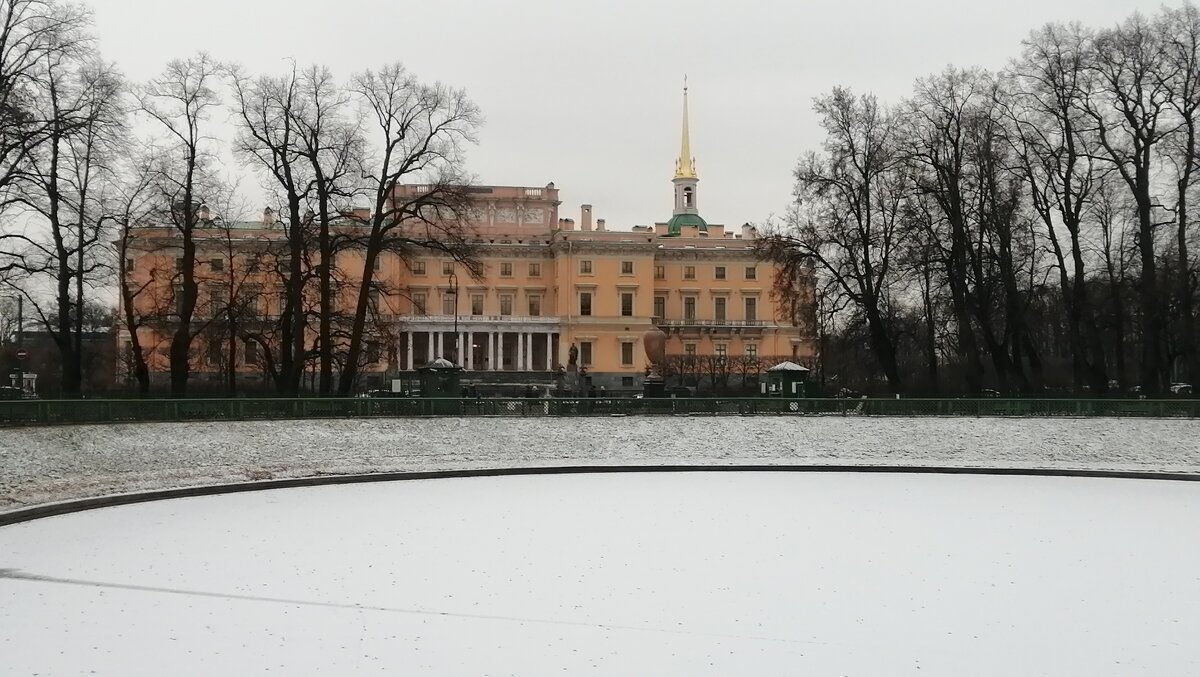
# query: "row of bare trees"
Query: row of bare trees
94,170
1018,230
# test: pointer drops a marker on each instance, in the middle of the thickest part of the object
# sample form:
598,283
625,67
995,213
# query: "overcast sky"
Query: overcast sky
588,94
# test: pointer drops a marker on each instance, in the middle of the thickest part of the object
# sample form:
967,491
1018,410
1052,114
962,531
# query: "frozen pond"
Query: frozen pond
662,574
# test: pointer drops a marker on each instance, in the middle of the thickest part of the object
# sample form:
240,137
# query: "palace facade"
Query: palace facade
549,282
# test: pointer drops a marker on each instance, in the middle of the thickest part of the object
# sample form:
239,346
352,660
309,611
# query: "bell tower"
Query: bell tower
686,210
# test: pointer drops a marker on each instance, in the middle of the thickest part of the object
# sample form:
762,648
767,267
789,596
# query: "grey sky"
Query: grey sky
588,94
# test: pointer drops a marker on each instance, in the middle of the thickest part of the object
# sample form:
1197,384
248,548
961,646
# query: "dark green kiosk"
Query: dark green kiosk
440,380
786,379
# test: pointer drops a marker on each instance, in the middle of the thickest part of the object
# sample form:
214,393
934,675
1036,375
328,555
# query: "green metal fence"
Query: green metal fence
43,412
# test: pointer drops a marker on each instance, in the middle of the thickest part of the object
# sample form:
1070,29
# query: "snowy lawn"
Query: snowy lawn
655,574
39,465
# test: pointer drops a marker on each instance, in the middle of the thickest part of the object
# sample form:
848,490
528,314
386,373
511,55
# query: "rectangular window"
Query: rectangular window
418,268
585,353
751,350
719,309
506,304
506,269
447,268
377,263
129,264
535,270
448,303
250,356
216,300
751,309
217,265
689,349
251,302
372,352
719,273
585,267
418,302
283,301
535,306
585,303
626,304
751,273
179,264
373,300
626,354
689,272
476,304
626,381
722,350
215,352
660,272
689,309
627,267
660,307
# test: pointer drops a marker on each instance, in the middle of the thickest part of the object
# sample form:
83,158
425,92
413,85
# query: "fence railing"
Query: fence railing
43,412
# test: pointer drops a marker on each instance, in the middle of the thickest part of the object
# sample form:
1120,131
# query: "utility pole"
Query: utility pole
21,354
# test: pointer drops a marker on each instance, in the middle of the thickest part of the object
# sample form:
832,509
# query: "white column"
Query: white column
430,354
439,343
492,350
460,352
411,341
529,351
549,345
470,351
522,343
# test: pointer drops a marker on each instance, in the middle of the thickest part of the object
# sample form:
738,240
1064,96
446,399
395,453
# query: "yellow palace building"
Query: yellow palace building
550,282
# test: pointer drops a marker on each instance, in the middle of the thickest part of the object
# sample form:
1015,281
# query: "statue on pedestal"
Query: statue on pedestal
572,356
655,343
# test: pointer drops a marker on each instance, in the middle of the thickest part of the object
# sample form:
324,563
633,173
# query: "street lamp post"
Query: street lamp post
454,292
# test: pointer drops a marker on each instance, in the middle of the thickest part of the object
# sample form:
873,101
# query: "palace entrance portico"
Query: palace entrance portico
481,342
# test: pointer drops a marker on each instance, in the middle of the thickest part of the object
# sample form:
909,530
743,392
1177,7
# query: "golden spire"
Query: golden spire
685,166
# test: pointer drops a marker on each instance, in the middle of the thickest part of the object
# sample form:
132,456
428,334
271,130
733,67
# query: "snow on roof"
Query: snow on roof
788,366
441,363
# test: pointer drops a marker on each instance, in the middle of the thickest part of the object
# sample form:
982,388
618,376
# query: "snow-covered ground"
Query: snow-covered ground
656,574
39,465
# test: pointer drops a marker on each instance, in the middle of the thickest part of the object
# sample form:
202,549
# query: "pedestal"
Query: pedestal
654,386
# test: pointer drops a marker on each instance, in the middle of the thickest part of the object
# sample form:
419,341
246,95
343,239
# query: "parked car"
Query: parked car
1183,389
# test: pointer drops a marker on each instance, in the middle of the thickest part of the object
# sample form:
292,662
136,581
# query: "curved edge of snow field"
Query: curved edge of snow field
78,505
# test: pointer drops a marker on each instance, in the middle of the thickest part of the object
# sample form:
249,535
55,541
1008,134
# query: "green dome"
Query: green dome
677,222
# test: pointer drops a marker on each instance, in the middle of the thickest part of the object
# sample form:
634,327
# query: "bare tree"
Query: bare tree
130,206
179,102
57,188
1180,77
1055,157
329,140
421,130
1130,108
847,214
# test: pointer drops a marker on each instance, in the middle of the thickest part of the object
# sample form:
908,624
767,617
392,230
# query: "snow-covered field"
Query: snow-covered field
655,574
39,465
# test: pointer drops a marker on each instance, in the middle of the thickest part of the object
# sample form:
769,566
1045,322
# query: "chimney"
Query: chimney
600,224
748,231
268,217
202,213
585,221
568,224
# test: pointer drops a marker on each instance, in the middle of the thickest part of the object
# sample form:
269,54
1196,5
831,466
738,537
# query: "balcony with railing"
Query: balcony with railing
468,320
707,326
